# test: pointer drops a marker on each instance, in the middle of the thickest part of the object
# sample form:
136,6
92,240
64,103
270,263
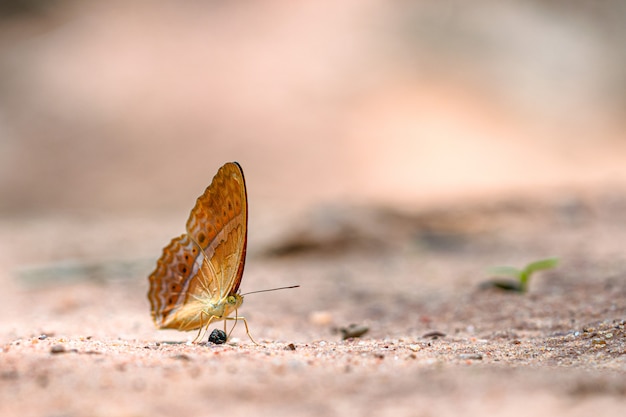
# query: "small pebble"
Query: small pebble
434,334
291,346
42,337
182,357
353,330
476,356
57,349
598,342
217,336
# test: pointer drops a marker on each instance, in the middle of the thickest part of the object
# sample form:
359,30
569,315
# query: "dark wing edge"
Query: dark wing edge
242,259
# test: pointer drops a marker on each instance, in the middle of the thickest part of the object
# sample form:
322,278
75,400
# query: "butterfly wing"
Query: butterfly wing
174,268
219,224
206,264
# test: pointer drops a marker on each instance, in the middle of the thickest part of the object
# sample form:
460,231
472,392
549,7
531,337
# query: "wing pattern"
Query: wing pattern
202,267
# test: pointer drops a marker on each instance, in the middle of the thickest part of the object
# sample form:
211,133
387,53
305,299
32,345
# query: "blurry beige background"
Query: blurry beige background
132,106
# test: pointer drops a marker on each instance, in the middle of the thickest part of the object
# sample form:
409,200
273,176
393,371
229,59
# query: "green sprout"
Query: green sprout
521,276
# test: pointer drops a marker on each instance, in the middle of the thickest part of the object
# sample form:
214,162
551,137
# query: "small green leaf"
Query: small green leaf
523,275
508,271
542,264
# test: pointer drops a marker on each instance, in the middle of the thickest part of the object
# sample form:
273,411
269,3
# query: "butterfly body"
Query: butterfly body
196,314
197,278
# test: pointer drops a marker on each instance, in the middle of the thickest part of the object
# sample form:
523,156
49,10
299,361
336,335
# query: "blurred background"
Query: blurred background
114,116
132,106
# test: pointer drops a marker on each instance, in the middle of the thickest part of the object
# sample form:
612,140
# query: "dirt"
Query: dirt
78,338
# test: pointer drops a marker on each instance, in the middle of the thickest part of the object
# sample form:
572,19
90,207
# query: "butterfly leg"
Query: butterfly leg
245,323
203,327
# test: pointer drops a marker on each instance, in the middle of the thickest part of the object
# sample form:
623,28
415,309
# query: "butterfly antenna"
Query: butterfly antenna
271,289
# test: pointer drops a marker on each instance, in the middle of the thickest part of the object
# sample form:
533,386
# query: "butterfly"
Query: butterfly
196,280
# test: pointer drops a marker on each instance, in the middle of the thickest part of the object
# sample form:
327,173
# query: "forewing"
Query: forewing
218,224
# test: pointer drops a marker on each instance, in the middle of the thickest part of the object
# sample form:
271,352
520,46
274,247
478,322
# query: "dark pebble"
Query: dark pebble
353,330
217,336
434,334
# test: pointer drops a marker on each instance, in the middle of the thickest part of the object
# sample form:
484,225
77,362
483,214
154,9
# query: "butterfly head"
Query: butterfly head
234,301
225,306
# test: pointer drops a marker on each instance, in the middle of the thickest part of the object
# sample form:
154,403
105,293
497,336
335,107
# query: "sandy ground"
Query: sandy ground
437,344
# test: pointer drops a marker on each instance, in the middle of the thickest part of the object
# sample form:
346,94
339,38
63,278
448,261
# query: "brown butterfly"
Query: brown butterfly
197,278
